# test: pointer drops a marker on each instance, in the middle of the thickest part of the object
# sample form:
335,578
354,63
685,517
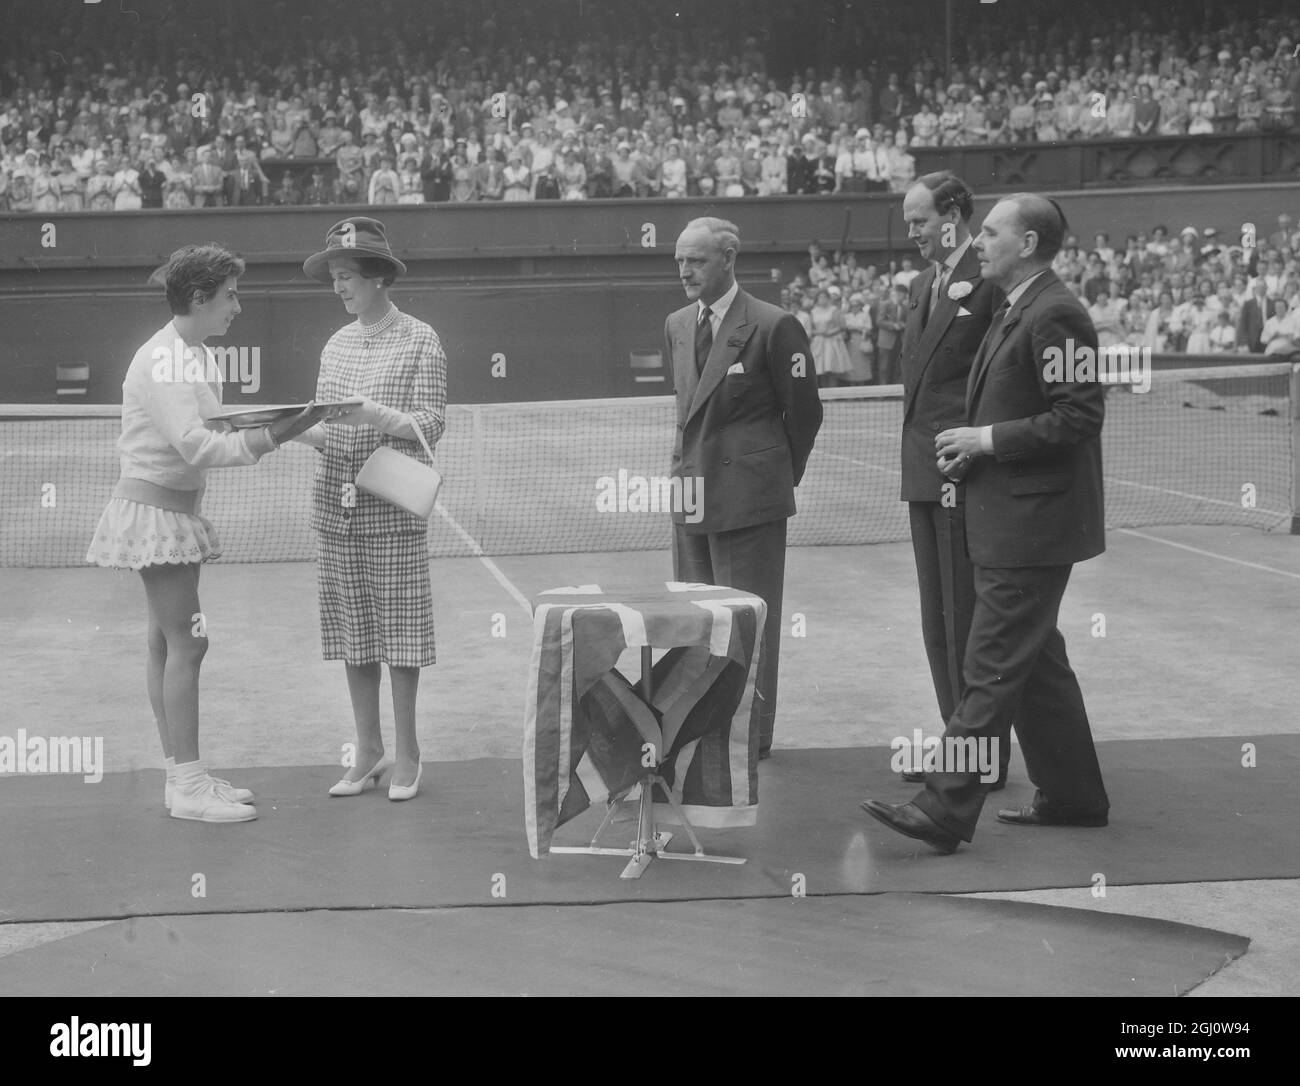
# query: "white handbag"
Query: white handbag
401,480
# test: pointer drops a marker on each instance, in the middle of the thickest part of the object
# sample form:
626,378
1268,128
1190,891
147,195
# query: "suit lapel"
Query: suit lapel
733,332
918,311
686,379
945,311
997,335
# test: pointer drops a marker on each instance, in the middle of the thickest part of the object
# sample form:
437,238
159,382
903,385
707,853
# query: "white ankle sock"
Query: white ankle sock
169,764
189,775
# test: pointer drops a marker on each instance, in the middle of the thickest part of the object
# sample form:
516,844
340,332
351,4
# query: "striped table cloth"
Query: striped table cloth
580,742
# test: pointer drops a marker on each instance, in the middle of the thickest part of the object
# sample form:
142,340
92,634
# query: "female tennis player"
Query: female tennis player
153,522
372,557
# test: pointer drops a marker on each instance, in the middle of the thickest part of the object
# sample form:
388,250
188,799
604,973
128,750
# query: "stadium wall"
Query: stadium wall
532,302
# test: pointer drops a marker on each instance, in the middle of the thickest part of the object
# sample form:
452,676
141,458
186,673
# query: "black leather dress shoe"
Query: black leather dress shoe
909,820
911,777
1029,816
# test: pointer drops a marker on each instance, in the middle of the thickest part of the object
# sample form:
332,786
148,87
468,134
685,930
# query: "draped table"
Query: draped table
681,734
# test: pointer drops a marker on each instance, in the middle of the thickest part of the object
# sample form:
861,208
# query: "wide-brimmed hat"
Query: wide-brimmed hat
367,238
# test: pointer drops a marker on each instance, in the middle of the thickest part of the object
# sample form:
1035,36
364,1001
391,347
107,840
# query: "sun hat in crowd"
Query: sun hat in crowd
369,240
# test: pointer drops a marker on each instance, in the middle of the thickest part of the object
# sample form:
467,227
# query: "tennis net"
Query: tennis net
1203,446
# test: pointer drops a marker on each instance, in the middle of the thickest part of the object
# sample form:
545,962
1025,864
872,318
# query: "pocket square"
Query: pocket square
962,311
735,367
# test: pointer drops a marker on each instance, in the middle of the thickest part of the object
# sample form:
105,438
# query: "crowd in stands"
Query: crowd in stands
1190,292
401,102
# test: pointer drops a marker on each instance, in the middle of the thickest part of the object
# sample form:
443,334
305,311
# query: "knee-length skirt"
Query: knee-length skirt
376,603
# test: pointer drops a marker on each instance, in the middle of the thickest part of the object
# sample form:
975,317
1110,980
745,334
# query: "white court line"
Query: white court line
492,567
1193,497
1208,554
862,463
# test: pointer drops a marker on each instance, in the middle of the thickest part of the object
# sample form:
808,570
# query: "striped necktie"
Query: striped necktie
703,339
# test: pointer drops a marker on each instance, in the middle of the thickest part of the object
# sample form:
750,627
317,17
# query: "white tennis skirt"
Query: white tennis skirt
132,535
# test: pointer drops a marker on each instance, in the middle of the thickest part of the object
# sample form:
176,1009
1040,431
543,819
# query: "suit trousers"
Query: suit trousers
946,579
1016,668
751,560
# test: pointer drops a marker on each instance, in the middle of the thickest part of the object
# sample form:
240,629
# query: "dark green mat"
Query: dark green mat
1183,810
882,944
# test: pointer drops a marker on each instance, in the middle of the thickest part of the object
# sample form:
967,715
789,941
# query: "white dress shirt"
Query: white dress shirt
718,310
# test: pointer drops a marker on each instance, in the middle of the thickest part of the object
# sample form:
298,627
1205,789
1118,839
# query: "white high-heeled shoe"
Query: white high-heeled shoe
398,792
346,787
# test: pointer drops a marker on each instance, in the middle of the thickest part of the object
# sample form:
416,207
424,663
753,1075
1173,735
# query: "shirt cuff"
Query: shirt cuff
986,440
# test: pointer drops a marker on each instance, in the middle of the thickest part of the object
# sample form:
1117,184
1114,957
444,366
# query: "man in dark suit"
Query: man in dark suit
1250,322
747,415
949,312
1031,459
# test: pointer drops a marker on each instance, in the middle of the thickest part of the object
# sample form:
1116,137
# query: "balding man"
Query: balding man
1031,461
747,414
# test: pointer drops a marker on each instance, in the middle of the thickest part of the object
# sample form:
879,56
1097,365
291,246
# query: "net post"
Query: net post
1295,448
476,460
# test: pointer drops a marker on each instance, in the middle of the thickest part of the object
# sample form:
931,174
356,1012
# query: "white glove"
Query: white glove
366,412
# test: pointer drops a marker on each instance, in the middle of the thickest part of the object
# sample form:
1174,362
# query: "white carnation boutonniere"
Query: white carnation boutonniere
959,290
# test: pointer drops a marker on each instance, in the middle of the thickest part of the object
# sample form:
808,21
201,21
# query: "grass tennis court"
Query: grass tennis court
1200,620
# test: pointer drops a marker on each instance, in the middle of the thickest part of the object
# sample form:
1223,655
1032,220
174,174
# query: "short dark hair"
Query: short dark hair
373,267
198,269
949,191
1044,217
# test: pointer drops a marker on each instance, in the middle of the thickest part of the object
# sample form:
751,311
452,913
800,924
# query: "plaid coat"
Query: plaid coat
399,363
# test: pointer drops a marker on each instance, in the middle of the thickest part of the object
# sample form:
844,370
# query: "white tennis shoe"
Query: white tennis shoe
209,802
227,790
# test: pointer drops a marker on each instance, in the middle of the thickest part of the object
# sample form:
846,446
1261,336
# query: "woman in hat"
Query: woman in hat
517,178
99,189
409,181
385,186
126,187
153,523
372,557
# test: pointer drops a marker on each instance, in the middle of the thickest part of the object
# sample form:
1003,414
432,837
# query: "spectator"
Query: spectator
904,276
857,319
829,334
1107,314
799,172
126,187
248,183
69,185
1223,336
546,187
384,188
286,195
317,191
517,177
1164,330
151,181
902,164
99,189
178,189
889,322
209,180
410,185
1281,332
